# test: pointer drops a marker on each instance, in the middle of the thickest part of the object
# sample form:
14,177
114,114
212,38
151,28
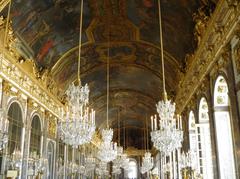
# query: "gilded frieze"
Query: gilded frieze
52,127
3,4
236,57
210,48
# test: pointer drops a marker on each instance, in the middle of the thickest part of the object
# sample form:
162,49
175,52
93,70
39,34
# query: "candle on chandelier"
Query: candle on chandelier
1,124
81,111
91,116
152,123
180,122
94,117
6,125
87,111
155,121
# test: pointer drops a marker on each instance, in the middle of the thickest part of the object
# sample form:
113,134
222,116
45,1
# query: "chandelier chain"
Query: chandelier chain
108,79
147,133
161,46
80,41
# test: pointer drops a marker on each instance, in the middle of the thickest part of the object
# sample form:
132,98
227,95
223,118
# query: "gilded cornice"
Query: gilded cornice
17,74
3,4
219,31
11,72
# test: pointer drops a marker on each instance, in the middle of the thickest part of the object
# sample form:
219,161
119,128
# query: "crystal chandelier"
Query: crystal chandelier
37,165
188,160
166,135
147,163
122,161
116,170
16,159
73,168
90,163
102,170
188,163
108,149
78,126
118,162
125,162
4,123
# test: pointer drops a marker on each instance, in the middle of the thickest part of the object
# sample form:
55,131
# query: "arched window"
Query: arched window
133,170
223,129
50,153
204,141
15,127
192,132
36,135
61,159
61,152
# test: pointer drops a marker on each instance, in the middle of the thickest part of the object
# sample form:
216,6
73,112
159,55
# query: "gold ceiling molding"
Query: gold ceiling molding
61,62
131,152
20,80
3,4
220,30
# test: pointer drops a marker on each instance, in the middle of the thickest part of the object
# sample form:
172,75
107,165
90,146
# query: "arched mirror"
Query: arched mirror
15,127
50,154
36,136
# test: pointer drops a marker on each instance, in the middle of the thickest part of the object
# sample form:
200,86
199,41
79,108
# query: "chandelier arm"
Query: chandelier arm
7,24
80,41
161,46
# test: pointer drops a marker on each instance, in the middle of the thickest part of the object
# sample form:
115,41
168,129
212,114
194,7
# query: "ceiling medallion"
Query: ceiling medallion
78,126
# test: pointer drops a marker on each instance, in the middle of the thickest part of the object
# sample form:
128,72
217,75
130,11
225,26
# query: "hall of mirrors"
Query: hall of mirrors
119,89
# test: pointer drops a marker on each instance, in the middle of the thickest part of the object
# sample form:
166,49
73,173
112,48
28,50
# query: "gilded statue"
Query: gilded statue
201,20
49,83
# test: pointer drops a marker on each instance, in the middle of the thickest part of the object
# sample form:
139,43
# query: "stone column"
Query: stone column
26,143
44,143
1,91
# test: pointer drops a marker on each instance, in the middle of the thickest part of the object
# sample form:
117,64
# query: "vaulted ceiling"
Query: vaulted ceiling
49,30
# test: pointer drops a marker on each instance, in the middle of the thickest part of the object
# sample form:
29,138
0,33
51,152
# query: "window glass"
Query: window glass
36,135
205,148
132,172
223,129
15,127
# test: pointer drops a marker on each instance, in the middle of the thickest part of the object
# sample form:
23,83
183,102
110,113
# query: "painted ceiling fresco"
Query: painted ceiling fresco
129,29
50,27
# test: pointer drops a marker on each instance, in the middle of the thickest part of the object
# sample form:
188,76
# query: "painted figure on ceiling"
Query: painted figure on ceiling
45,49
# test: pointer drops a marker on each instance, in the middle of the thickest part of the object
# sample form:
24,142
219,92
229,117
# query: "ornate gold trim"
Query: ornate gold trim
3,4
220,29
19,79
